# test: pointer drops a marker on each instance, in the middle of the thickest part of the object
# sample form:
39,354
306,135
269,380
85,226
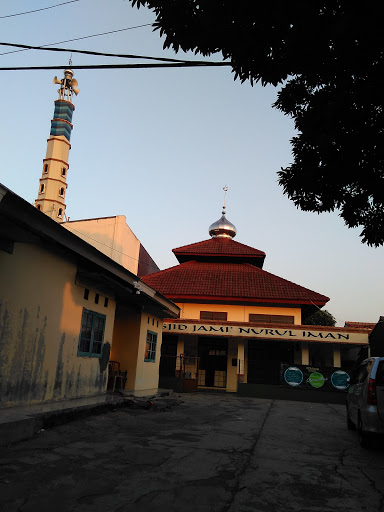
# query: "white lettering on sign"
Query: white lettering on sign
257,332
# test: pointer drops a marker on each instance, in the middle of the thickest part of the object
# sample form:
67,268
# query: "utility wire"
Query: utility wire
38,10
81,38
103,54
123,66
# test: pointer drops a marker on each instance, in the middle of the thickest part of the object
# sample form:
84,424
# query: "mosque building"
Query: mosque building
239,324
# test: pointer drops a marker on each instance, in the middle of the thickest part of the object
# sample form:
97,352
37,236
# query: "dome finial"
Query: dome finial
225,193
222,228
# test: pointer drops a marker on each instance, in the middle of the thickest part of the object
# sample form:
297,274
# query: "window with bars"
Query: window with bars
271,319
91,334
150,348
213,315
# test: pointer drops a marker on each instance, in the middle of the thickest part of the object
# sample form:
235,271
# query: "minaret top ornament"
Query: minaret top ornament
68,85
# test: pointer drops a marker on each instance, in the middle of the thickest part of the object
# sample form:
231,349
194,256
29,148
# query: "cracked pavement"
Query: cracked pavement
210,453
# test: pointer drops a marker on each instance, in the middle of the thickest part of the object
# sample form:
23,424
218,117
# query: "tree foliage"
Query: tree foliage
328,56
320,317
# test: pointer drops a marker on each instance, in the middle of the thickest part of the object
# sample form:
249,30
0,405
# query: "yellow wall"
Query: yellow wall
125,343
147,374
236,313
129,345
111,236
40,318
232,370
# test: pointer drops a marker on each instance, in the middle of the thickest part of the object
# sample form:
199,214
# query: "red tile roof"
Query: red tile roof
219,246
360,325
229,281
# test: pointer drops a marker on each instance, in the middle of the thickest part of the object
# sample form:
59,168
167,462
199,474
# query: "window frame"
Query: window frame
213,313
152,349
90,353
271,316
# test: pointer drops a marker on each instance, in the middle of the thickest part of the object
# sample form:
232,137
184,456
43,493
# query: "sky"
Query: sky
159,145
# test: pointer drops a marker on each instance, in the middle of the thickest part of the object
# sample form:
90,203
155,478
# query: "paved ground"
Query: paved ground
210,453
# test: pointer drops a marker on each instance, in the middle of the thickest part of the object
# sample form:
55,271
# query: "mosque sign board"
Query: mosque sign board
271,333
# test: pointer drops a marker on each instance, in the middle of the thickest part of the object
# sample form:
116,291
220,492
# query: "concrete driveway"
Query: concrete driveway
212,452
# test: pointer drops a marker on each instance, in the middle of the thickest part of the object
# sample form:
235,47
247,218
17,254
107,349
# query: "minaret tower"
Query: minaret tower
53,182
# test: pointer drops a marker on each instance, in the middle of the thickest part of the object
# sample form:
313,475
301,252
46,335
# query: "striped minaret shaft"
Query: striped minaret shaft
53,181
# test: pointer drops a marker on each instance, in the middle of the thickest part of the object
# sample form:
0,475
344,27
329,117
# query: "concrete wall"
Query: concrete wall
236,313
232,370
111,236
40,319
129,345
125,343
147,374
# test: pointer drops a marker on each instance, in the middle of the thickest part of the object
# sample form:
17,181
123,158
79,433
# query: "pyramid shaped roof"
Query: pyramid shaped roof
229,282
220,249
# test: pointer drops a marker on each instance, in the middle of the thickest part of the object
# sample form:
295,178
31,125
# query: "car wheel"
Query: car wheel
363,436
350,424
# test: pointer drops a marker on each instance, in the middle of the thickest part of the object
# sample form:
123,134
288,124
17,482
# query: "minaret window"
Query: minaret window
62,191
63,171
38,207
45,169
60,212
42,188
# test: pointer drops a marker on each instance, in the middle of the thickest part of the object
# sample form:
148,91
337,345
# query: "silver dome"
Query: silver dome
222,228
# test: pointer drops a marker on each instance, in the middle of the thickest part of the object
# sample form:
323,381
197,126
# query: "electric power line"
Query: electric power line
123,66
81,38
102,54
38,10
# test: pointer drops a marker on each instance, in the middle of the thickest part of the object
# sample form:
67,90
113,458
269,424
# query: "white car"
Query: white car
365,400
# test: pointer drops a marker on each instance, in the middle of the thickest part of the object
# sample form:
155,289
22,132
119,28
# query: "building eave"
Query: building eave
22,222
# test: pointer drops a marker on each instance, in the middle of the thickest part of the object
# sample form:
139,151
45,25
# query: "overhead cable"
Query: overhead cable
102,54
81,38
38,10
123,66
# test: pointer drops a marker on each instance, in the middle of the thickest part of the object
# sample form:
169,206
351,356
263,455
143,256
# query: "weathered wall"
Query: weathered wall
40,318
